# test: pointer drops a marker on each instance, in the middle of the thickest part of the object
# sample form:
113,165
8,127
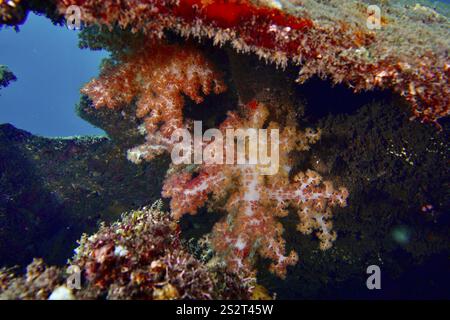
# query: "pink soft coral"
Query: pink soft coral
156,76
255,201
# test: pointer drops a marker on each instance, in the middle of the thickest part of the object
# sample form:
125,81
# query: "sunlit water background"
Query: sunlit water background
50,70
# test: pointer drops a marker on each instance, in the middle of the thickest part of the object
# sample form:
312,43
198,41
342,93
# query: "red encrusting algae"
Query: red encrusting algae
240,15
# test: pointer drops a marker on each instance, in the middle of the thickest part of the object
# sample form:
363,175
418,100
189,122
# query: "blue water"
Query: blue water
50,69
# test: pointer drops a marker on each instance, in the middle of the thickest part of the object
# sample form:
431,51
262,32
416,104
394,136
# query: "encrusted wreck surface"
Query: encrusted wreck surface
395,170
138,257
327,40
54,189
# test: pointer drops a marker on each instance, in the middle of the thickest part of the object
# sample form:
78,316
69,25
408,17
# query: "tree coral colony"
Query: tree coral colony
254,201
156,77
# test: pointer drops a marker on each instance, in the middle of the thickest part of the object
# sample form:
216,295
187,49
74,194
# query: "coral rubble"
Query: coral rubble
322,44
139,257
